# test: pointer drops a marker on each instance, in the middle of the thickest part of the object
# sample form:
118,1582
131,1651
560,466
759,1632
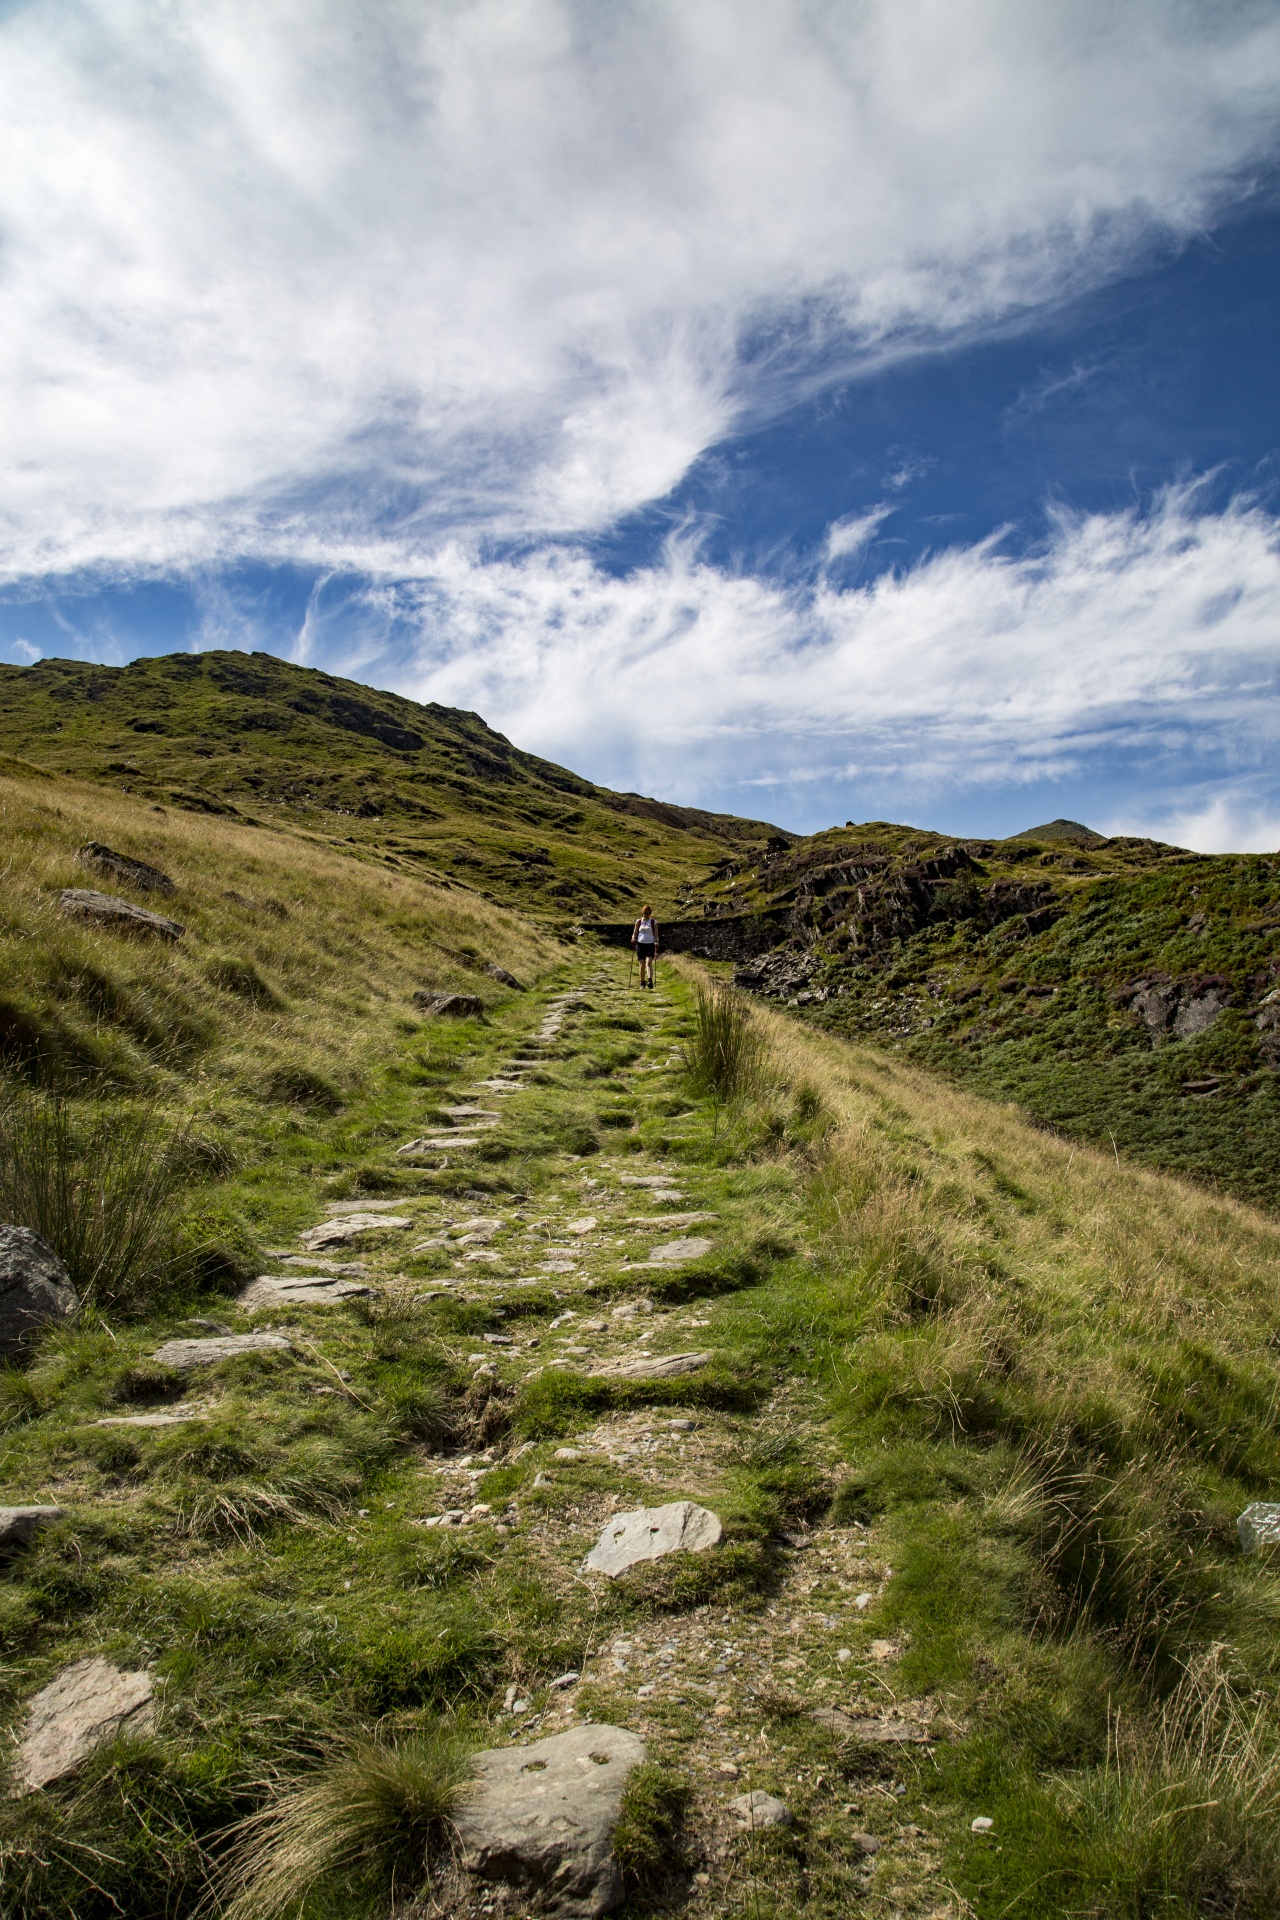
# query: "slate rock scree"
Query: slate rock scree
35,1287
131,873
121,916
542,1818
649,1533
87,1704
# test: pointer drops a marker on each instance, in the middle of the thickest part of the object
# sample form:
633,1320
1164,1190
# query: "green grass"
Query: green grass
1035,1383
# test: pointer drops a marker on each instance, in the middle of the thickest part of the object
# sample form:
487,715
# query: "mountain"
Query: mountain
427,789
1120,990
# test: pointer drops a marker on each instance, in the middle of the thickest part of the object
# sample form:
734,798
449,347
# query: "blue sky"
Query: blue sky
815,411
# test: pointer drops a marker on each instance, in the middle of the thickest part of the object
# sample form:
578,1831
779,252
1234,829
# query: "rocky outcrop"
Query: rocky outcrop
650,1533
127,872
542,1818
1177,1009
352,1226
121,916
503,978
35,1288
88,1704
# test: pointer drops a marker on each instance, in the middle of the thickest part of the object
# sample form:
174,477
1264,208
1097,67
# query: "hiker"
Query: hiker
644,938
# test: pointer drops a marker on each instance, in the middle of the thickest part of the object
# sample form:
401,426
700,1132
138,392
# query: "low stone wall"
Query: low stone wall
736,937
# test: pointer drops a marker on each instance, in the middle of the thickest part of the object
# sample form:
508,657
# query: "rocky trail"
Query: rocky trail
739,1668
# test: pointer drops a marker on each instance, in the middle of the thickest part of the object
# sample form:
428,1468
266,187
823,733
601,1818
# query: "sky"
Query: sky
815,411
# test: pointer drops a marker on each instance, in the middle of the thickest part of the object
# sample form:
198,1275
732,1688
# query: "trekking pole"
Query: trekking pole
631,969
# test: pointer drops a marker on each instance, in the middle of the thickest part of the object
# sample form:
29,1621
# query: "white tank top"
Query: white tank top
646,934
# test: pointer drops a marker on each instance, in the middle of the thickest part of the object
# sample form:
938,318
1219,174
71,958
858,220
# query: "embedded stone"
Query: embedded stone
184,1355
1259,1525
20,1525
542,1818
352,1226
35,1287
676,1251
661,1366
650,1533
312,1289
449,1006
86,1705
82,903
758,1810
133,873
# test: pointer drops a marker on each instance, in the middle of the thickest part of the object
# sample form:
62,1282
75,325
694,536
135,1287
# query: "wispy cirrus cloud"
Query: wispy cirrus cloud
326,279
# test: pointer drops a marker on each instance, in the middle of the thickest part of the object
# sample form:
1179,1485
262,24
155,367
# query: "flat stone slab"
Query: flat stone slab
439,1143
758,1810
20,1525
660,1220
674,1252
352,1226
658,1366
281,1289
119,866
105,910
87,1704
1259,1525
646,1180
650,1533
882,1730
542,1818
183,1355
471,1113
174,1418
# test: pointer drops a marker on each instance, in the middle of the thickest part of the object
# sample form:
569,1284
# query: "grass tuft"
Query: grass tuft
377,1815
724,1056
103,1192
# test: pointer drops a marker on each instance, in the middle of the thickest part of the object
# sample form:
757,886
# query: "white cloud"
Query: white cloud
333,280
854,534
1131,641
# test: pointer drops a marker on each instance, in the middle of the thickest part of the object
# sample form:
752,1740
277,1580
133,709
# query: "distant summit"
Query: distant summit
1063,830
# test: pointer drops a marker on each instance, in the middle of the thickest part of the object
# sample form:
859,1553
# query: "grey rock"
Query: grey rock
354,1226
1259,1526
349,1269
661,1366
450,1006
542,1818
174,1418
1178,1009
646,1180
757,1810
336,1207
20,1525
119,866
503,978
82,903
184,1355
86,1704
674,1253
661,1220
282,1289
650,1533
875,1730
35,1287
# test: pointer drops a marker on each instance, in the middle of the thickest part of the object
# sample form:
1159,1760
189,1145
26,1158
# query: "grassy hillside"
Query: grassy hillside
1117,989
426,790
977,1410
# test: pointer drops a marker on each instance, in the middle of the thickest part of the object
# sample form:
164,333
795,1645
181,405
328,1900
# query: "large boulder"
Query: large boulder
105,910
129,873
86,1704
35,1287
649,1533
542,1818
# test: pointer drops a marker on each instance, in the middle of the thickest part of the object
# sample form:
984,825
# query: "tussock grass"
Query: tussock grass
102,1191
724,1055
1190,1796
375,1817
